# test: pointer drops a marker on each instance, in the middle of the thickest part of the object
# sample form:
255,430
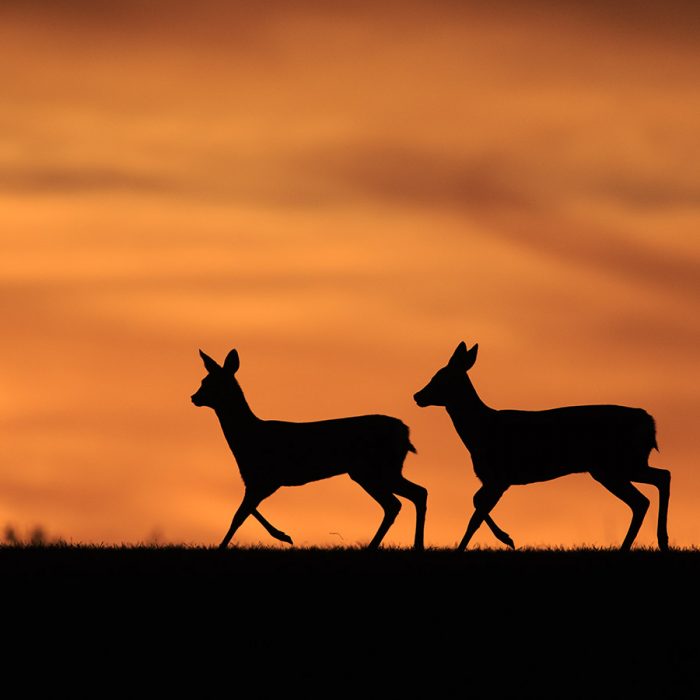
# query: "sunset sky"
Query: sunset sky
343,192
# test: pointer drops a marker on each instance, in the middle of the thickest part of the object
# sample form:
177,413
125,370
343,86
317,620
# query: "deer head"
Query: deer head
448,381
220,381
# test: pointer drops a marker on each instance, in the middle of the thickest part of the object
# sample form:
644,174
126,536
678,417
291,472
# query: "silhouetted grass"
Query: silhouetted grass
529,623
127,560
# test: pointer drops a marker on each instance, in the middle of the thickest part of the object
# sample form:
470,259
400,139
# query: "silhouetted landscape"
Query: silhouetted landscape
577,623
342,192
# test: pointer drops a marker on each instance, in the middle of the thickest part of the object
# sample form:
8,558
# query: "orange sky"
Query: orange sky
343,194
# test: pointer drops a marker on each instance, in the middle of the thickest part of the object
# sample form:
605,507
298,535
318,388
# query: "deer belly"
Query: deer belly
525,466
532,473
303,473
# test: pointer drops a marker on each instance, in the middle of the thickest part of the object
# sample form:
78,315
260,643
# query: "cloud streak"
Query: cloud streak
81,180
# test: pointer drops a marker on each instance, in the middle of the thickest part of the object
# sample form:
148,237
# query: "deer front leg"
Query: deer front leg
277,534
249,503
484,500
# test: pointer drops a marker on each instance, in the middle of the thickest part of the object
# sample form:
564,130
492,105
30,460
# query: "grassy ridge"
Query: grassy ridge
530,623
531,566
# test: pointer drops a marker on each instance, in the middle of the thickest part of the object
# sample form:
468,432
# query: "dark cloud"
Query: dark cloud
651,193
526,212
490,178
490,187
606,251
672,18
67,180
644,331
412,177
247,282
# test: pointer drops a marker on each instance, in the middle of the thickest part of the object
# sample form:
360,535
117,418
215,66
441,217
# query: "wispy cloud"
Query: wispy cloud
80,180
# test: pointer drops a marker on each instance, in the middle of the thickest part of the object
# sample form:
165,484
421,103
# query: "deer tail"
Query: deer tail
409,447
652,431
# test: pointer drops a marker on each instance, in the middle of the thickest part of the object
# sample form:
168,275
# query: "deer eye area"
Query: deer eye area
208,383
443,375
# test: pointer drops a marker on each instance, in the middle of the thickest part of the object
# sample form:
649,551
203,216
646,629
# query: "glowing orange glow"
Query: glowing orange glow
343,195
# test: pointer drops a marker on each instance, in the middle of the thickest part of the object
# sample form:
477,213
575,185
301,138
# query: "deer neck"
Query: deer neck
239,424
468,413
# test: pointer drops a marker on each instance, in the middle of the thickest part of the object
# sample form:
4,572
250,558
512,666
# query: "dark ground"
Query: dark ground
341,623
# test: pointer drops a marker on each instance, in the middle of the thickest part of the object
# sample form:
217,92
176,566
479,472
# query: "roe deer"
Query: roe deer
272,453
611,443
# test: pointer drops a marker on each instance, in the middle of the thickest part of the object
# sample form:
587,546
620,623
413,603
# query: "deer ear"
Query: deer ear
471,356
232,362
459,356
209,364
462,358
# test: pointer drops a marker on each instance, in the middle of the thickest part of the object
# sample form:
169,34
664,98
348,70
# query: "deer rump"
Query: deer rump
368,448
519,447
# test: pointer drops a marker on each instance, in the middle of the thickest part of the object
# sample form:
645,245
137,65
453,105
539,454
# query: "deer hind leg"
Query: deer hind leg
387,501
500,534
484,501
634,498
419,497
661,478
277,534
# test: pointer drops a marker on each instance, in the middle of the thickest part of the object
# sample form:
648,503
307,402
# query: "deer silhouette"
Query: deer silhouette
507,447
270,453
